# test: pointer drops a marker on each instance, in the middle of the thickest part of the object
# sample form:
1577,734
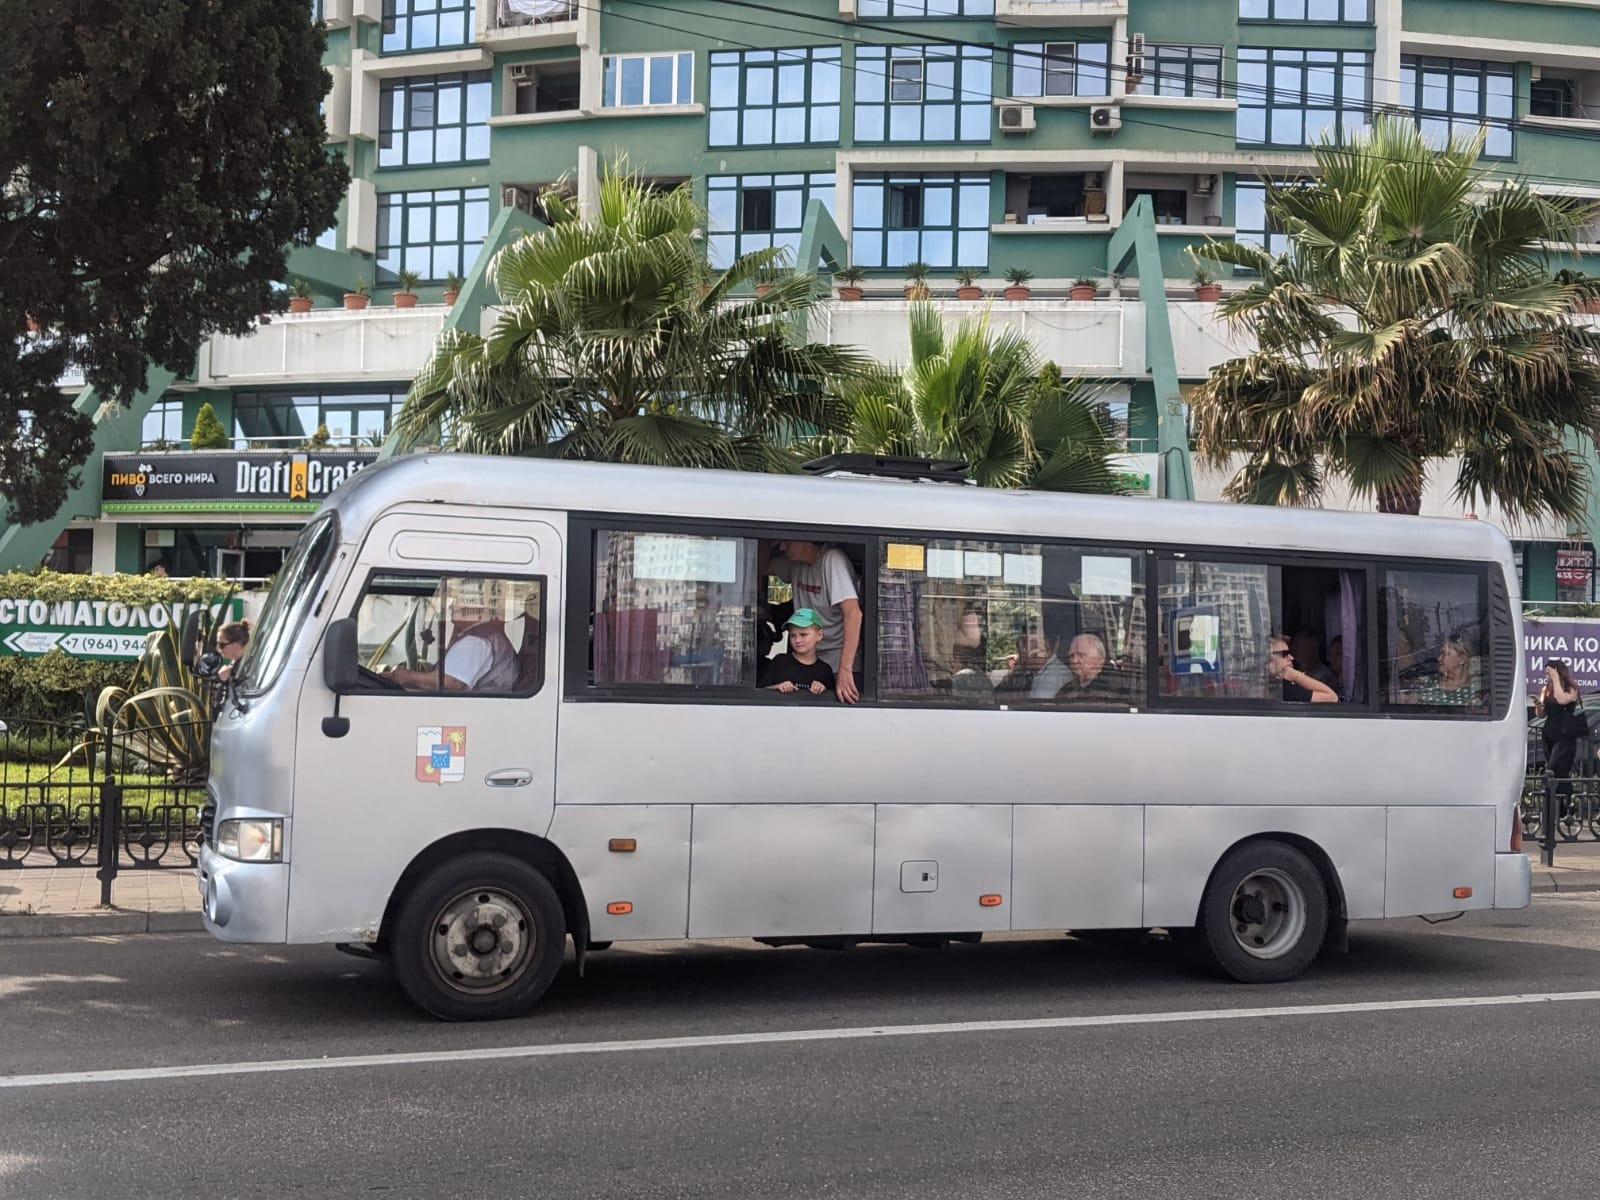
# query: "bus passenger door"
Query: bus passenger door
457,626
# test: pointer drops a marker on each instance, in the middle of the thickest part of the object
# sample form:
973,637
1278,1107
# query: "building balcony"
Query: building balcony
333,345
1059,14
527,24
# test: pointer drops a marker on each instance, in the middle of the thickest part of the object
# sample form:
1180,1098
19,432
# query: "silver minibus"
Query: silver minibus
494,704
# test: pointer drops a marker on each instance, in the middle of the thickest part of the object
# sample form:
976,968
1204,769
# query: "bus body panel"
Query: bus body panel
653,878
780,870
1077,866
934,865
366,805
1434,851
1183,843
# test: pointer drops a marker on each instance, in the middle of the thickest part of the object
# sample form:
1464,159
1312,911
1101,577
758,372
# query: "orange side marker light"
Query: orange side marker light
1463,893
991,900
620,908
622,845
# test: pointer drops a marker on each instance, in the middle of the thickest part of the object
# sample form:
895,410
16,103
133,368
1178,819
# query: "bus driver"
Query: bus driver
479,657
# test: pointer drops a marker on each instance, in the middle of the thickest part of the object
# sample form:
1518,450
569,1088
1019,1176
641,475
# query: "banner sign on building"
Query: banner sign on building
1573,568
226,481
92,628
1575,639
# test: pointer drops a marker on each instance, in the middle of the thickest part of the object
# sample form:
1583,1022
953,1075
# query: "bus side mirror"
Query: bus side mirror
341,665
340,671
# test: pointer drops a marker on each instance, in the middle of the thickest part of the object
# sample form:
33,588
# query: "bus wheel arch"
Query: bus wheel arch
539,853
1296,908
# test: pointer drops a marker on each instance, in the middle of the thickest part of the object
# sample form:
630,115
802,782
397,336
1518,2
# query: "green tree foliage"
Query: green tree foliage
158,160
1414,319
618,343
208,432
981,395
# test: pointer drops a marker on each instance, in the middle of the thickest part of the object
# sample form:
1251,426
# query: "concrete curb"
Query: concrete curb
1564,882
96,923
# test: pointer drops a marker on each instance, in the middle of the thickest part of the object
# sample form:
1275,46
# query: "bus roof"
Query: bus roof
894,505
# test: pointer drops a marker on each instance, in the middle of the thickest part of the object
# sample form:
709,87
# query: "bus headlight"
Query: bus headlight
251,840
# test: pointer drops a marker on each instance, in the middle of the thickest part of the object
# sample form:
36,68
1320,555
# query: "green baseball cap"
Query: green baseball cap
805,618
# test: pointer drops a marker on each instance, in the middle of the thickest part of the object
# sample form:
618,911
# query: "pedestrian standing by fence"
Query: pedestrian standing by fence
1564,723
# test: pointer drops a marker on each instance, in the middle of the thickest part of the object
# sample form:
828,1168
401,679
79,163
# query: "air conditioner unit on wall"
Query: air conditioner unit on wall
1105,118
1136,43
515,197
521,71
1205,185
1016,118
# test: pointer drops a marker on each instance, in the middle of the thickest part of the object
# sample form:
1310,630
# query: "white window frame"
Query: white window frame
921,80
1057,65
612,67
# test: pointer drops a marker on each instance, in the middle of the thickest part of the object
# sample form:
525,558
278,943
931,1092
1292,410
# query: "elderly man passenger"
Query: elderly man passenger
1089,684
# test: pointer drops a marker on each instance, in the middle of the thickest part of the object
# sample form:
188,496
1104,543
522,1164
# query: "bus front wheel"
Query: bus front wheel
479,938
1265,913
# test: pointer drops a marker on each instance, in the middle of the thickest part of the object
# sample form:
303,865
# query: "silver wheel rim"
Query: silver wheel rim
1267,913
482,941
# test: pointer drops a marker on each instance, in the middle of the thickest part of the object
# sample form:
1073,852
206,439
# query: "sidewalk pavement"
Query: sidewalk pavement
65,901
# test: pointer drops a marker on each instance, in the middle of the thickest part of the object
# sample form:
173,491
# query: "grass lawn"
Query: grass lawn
37,783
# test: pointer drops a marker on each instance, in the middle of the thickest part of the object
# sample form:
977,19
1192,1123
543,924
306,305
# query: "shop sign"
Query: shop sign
1574,639
104,629
226,481
1573,568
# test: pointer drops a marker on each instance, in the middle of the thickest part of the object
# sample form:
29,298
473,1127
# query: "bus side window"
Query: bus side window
1433,641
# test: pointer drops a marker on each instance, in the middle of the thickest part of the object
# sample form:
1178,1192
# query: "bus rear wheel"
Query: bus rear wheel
479,938
1265,913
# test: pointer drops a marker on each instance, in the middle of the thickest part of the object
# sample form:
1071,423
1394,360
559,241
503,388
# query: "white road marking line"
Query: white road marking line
711,1041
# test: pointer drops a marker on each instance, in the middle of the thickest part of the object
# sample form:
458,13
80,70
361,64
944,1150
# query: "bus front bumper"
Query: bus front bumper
1513,880
243,902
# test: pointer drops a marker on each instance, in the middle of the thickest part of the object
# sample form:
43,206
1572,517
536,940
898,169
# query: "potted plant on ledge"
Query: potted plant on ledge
967,286
1083,288
300,299
849,281
1206,288
1017,283
406,297
452,289
358,297
917,281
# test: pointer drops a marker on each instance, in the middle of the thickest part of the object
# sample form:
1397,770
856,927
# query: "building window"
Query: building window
1060,69
673,608
1182,71
1433,641
925,8
1455,97
73,552
426,24
1553,98
285,419
648,80
163,425
1328,12
923,94
983,624
545,87
1253,224
1295,97
941,220
434,233
755,212
775,97
434,119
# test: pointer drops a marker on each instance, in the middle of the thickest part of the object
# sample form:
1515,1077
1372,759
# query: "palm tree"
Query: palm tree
617,342
982,395
1414,318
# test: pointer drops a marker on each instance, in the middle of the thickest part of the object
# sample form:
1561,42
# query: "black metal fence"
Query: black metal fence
72,796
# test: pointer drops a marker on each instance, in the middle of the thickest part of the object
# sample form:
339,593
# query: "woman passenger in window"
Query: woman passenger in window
1451,684
1298,687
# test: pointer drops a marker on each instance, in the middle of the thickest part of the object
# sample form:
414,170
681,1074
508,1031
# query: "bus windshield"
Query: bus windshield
286,605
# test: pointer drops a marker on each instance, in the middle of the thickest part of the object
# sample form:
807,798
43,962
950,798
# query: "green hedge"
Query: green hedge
52,687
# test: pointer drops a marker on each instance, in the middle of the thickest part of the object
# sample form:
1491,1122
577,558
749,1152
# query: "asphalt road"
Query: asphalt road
1071,1077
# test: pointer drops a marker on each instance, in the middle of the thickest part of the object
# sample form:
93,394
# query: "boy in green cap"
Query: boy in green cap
799,669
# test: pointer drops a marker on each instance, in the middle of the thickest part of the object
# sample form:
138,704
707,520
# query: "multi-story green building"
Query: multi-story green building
970,135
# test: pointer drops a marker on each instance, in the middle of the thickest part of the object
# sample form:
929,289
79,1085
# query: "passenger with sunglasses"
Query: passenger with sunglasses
233,639
1298,687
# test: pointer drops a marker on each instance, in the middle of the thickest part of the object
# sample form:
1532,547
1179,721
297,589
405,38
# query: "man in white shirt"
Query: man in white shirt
479,656
824,581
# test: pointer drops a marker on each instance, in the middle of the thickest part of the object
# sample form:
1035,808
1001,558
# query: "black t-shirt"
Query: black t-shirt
787,667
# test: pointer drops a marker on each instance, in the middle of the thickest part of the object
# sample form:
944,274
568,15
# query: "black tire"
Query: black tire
1264,915
451,916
